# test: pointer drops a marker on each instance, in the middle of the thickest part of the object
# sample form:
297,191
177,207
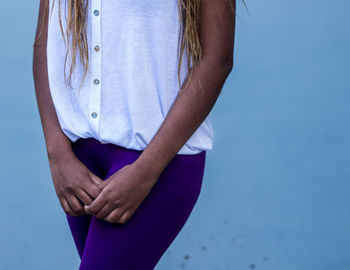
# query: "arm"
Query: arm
196,99
56,141
123,192
71,178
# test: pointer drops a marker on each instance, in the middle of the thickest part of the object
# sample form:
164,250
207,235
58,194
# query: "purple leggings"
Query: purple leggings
139,243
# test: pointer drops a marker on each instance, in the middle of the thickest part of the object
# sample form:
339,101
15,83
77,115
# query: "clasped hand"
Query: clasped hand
121,194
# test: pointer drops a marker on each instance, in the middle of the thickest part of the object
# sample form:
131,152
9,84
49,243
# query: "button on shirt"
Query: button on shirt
132,82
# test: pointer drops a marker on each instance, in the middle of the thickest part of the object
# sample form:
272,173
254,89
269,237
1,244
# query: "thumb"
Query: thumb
95,179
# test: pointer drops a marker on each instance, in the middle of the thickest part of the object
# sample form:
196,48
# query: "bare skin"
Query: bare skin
124,191
71,178
121,194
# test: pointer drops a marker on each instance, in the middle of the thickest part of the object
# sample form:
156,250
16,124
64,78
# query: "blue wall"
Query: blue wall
276,186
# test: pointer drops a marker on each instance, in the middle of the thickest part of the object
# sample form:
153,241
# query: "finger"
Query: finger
75,204
94,178
114,215
96,204
66,208
104,183
124,217
104,211
83,196
91,188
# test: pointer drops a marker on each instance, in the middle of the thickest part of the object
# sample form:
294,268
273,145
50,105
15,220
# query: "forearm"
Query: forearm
56,141
196,98
54,137
191,106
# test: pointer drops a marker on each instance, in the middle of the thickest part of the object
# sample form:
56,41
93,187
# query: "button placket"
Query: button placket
96,66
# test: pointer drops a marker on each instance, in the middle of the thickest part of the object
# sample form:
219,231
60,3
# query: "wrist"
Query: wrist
58,149
148,166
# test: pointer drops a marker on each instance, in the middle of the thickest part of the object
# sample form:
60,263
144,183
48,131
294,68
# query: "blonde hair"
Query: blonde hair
188,11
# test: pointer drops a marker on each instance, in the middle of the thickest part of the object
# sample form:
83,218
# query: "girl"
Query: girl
124,91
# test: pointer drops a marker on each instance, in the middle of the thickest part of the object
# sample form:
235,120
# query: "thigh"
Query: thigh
142,240
79,226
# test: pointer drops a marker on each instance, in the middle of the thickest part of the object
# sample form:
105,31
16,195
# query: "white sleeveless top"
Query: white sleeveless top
132,81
